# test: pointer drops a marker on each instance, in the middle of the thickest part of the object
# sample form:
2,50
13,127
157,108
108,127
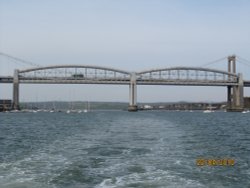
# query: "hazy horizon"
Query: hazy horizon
127,35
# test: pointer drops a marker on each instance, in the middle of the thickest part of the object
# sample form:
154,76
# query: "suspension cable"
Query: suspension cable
213,62
18,60
244,63
247,62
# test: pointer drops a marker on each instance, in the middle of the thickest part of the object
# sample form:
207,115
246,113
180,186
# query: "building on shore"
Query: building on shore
246,102
5,105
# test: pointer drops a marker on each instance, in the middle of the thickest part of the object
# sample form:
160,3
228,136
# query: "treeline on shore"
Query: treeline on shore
64,105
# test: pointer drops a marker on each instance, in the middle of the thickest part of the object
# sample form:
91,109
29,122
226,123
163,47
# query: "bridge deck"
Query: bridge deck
6,79
246,83
9,79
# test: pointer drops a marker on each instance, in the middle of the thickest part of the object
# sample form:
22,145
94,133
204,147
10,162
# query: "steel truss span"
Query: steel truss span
74,74
79,74
87,74
187,76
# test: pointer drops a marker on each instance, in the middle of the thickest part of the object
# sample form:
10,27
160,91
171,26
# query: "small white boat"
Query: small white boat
245,111
208,111
15,111
87,108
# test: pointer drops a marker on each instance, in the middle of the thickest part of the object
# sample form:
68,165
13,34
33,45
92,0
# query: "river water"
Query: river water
118,149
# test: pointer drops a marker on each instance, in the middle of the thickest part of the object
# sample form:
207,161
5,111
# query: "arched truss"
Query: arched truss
74,74
187,76
101,75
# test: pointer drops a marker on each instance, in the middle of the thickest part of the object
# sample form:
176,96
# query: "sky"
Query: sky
132,35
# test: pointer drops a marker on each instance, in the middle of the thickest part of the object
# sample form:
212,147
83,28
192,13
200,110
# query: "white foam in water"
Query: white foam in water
152,156
107,183
24,183
30,168
178,162
42,164
157,178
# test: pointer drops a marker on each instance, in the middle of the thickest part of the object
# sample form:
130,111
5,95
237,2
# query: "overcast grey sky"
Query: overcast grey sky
132,35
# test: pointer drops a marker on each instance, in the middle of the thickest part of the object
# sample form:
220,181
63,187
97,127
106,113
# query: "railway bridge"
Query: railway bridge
88,74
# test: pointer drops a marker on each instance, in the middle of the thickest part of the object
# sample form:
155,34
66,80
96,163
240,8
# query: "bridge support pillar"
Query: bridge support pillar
15,103
236,96
132,94
229,97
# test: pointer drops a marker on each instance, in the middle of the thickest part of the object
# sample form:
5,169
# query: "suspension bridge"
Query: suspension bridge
89,74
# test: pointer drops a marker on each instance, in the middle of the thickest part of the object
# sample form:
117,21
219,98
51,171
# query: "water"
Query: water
118,149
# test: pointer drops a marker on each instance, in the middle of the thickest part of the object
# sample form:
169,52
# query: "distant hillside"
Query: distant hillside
81,105
62,105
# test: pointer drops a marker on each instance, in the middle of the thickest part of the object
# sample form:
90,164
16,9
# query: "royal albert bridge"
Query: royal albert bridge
87,74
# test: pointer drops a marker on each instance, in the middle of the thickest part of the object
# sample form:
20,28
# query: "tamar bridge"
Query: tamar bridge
183,76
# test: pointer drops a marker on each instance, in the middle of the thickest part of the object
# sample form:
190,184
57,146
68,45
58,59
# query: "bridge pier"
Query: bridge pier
229,97
235,94
15,104
132,94
236,97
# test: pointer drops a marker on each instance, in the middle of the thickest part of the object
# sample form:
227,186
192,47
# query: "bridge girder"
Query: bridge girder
188,75
186,68
74,66
73,73
86,74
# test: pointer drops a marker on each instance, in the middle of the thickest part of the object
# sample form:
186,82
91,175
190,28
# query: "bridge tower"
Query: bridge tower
132,93
15,104
235,98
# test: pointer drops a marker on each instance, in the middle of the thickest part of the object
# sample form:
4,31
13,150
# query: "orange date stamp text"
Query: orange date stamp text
215,162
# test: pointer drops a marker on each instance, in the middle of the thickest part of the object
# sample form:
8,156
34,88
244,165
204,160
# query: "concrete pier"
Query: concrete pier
15,105
132,93
235,94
